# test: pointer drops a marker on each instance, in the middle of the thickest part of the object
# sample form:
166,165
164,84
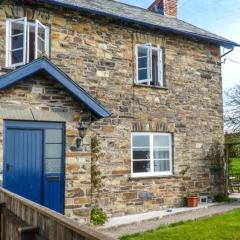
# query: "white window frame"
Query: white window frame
27,26
147,46
9,23
160,64
30,24
38,24
152,173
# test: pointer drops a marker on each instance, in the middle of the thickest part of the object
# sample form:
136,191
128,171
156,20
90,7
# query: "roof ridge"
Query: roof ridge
190,24
140,8
130,5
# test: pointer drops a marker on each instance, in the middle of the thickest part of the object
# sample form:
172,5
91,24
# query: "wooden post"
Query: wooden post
27,233
2,222
226,168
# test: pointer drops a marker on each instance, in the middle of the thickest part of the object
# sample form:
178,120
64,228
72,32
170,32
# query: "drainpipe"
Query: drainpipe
225,54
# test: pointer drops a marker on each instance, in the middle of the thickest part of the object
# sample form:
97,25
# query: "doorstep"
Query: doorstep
135,218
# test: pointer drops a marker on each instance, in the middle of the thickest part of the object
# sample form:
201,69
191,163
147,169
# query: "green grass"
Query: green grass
221,227
234,165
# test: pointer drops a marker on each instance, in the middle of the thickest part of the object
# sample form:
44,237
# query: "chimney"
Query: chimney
165,7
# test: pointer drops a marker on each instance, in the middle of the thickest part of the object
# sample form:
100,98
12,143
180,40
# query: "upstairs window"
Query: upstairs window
149,63
25,41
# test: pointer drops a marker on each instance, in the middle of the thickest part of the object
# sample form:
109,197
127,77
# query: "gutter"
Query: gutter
225,44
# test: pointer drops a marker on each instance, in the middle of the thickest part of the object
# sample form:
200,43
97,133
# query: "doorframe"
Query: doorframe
39,125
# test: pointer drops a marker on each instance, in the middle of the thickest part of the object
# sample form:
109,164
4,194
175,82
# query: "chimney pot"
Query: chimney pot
166,7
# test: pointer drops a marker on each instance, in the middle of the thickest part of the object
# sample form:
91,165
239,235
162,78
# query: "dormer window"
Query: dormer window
25,41
149,65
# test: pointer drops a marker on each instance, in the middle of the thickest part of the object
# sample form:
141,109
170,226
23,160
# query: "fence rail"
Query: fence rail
21,219
234,182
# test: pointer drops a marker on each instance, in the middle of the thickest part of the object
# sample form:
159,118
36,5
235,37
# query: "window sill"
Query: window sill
150,86
133,177
8,69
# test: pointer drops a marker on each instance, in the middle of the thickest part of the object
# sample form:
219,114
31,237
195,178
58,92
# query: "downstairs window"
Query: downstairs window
25,41
151,154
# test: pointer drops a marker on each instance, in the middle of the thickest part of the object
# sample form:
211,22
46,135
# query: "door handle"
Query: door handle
8,167
53,178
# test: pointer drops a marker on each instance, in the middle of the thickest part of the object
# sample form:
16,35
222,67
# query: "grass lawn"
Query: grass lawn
225,226
234,165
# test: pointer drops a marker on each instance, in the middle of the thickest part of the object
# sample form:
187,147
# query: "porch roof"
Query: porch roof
47,66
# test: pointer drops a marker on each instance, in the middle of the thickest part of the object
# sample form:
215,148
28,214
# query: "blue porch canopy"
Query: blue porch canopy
45,65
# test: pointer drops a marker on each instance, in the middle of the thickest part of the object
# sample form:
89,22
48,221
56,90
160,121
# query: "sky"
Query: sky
218,16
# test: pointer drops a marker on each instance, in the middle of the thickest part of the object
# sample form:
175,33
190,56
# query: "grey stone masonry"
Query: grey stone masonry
99,55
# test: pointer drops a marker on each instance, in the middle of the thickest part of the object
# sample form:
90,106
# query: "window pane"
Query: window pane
161,140
53,165
53,136
141,141
141,166
41,46
40,40
41,33
162,166
17,42
31,43
141,153
17,56
53,150
143,74
142,51
142,62
161,154
155,70
17,28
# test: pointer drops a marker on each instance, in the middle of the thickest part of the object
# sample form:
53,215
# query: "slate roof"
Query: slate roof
136,15
45,65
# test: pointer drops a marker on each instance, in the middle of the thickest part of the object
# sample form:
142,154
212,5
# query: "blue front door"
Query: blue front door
33,162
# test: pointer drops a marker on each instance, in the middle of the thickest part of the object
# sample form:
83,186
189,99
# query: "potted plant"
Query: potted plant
192,201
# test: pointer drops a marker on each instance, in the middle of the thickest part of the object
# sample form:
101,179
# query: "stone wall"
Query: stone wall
99,55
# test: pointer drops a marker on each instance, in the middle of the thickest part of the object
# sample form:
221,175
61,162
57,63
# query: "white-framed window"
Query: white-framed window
149,65
25,41
151,154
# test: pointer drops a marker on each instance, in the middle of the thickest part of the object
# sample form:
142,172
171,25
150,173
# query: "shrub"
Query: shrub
98,217
221,198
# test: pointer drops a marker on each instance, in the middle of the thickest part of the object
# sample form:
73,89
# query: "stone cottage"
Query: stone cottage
107,104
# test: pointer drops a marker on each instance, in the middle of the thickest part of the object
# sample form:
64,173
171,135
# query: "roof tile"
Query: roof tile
143,17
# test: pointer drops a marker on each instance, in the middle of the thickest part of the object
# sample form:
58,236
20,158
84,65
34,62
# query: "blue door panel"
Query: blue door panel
51,190
23,163
32,125
33,163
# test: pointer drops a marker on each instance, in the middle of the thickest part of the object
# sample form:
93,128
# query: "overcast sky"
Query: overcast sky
218,16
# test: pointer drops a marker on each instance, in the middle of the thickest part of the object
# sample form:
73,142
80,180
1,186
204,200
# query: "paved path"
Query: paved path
133,218
143,226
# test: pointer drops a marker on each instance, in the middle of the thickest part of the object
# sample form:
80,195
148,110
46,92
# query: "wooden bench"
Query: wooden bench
234,182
